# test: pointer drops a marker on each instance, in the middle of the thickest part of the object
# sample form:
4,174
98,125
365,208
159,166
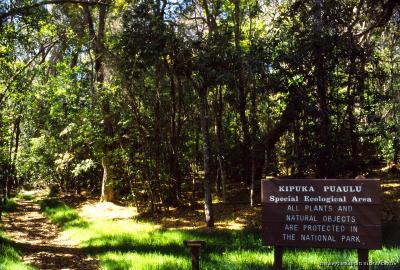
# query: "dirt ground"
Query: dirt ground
41,242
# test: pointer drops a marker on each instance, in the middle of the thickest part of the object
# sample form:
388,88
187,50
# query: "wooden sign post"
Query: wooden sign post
324,213
195,246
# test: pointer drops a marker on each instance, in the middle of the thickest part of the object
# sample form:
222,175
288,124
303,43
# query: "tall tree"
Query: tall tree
99,51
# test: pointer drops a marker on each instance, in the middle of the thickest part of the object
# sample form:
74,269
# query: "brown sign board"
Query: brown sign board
331,213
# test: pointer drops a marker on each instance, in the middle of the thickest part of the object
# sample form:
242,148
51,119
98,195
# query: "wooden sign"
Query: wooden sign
330,213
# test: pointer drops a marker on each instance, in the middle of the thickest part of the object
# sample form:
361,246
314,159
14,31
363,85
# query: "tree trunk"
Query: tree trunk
204,119
16,147
197,159
324,156
208,206
242,103
8,169
173,140
298,164
12,176
350,110
168,194
3,176
107,192
254,130
221,178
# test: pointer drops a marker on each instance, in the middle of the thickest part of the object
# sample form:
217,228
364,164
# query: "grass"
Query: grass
61,214
25,196
140,245
10,206
10,257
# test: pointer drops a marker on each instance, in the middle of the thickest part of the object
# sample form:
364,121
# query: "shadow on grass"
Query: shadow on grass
119,243
9,206
391,235
4,240
10,257
171,242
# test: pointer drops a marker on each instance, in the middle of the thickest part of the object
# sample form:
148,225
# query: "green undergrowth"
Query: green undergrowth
10,206
61,214
10,257
25,196
132,244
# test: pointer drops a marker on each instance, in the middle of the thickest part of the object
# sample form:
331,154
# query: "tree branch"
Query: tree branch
388,10
23,9
45,48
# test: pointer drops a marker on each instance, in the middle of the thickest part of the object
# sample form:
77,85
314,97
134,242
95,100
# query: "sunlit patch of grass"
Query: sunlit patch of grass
25,196
10,258
60,214
132,244
149,261
309,259
239,260
386,255
390,185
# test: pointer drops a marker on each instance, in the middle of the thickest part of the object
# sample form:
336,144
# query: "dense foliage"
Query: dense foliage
160,101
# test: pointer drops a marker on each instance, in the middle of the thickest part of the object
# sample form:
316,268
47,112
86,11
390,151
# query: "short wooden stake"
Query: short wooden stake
278,258
362,259
195,246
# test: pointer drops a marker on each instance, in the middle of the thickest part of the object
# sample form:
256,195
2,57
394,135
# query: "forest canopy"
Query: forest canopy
162,102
